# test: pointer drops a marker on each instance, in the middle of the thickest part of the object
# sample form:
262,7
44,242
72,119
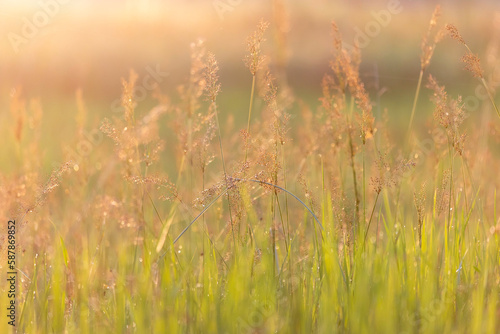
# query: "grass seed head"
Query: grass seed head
192,91
389,175
337,40
350,68
255,59
419,200
453,32
53,182
440,99
212,77
449,113
442,193
428,42
128,100
202,146
473,65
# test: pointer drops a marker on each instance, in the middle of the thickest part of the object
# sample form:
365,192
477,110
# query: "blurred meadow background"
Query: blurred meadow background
331,206
90,45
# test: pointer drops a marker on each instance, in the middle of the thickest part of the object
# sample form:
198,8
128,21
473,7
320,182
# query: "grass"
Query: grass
324,223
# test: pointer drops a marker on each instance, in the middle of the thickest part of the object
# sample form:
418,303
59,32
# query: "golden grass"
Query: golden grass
313,218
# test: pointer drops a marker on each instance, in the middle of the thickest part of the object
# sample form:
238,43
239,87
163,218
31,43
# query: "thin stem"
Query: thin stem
486,87
198,216
224,169
417,93
190,154
249,116
371,217
364,187
465,188
281,218
451,183
409,131
206,229
286,195
287,237
351,153
420,223
490,96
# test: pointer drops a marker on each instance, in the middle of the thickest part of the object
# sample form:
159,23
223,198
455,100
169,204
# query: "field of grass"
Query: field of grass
257,202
